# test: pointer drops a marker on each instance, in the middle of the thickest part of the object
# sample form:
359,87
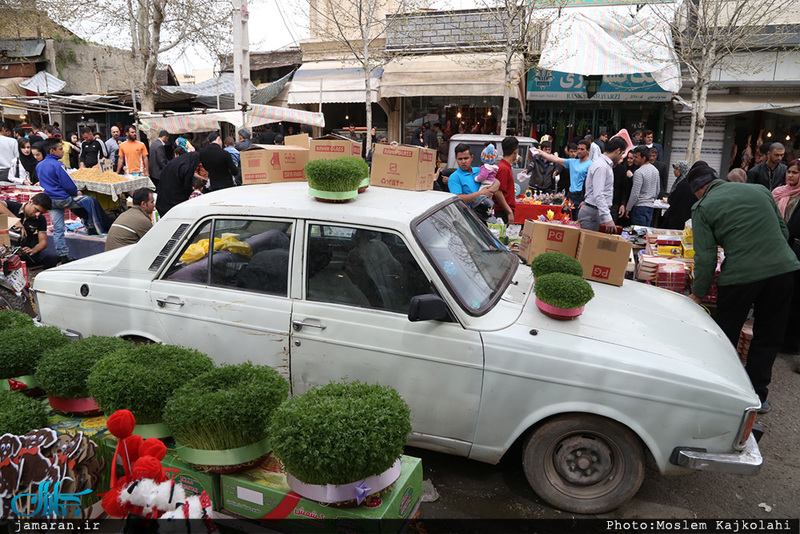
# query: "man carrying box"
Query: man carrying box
32,227
758,268
596,212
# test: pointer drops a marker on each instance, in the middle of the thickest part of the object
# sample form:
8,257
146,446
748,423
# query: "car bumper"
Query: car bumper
745,462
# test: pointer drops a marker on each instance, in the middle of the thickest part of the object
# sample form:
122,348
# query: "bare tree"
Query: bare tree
152,27
722,34
359,27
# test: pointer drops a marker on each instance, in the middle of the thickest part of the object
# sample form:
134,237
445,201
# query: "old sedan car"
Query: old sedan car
409,289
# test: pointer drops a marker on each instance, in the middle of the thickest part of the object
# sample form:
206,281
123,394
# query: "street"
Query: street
472,490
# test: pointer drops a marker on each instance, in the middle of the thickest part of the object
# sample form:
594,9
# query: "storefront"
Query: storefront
560,106
462,92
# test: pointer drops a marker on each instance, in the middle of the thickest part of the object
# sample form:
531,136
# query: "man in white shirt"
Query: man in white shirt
596,211
8,151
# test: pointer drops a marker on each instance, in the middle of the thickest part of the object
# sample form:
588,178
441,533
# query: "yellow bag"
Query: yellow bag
195,251
199,250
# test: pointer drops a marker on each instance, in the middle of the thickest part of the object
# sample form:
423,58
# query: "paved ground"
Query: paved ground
472,490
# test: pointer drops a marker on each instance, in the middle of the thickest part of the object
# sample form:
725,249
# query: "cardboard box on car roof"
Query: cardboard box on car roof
332,147
268,164
403,167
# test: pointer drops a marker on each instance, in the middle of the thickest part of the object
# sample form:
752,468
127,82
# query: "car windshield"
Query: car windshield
475,266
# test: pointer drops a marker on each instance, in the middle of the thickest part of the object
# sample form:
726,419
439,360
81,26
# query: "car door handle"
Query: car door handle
298,325
164,302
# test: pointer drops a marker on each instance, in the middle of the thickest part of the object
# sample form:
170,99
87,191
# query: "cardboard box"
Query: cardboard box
193,479
403,167
268,164
332,147
5,238
263,493
538,237
604,257
299,140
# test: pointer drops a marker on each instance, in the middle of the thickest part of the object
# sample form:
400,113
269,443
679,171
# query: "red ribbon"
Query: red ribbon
64,459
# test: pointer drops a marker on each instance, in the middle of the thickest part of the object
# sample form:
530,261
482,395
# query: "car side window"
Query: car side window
247,254
361,267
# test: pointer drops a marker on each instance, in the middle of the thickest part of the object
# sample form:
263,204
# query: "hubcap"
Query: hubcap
582,460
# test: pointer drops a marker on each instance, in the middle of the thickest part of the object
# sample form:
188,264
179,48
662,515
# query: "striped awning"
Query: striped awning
206,122
611,40
332,81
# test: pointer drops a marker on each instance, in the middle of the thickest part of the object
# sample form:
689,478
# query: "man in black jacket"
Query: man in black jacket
158,155
771,173
663,172
219,164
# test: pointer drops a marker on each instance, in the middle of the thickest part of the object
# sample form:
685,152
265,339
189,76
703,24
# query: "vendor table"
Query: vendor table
113,190
525,211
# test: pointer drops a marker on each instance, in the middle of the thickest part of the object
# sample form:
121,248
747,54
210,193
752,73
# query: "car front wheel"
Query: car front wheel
584,463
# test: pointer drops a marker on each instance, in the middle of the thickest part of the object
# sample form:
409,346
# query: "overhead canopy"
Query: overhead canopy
205,122
451,75
9,87
612,40
722,105
332,81
42,83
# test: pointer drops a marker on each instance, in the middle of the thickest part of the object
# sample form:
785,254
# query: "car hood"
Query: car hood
652,320
97,263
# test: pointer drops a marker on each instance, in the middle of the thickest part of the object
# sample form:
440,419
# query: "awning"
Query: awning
9,87
331,81
722,105
43,82
614,40
451,75
205,122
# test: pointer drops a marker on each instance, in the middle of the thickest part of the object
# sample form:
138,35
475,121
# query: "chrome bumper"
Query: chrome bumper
745,462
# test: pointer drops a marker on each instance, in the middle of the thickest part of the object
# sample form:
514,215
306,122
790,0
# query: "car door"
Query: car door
352,324
231,301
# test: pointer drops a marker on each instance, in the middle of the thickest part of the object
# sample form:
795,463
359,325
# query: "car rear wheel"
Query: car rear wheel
10,301
584,463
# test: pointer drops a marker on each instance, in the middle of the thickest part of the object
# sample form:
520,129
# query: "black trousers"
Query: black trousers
771,300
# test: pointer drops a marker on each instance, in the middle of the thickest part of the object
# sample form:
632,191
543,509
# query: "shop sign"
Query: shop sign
554,85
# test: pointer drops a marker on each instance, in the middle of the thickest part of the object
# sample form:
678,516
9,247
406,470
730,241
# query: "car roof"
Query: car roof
292,200
479,138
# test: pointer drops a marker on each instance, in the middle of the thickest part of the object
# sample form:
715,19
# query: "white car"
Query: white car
410,290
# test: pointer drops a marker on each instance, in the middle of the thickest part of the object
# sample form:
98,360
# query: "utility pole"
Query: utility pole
241,54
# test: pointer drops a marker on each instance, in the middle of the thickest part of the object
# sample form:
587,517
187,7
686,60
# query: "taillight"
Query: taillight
746,428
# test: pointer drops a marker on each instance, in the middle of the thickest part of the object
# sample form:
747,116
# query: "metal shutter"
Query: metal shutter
712,144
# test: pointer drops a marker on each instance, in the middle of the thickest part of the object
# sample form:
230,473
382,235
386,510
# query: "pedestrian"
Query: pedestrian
236,157
578,167
505,199
245,140
112,147
132,154
623,182
596,212
737,175
680,200
267,137
134,223
644,189
9,150
787,197
663,173
92,150
74,151
158,155
32,227
218,163
23,168
58,185
198,184
647,135
770,173
175,185
758,269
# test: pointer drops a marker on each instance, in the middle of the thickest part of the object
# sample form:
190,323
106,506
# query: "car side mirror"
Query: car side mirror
428,308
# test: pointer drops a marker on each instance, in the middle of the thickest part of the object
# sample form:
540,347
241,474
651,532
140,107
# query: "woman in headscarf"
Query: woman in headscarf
737,175
175,184
787,197
681,199
23,168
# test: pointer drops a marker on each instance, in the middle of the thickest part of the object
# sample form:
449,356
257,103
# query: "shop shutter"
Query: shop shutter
712,144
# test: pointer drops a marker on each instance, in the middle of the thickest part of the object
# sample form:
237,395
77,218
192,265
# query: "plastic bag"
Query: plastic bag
199,250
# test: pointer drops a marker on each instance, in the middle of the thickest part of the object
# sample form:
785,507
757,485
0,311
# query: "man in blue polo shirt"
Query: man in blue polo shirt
578,167
462,181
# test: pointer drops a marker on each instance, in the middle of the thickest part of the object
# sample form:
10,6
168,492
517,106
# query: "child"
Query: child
197,187
488,171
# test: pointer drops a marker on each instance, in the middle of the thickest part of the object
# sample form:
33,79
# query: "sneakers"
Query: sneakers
766,407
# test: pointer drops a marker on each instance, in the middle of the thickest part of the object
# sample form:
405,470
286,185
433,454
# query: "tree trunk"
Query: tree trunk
368,85
700,128
693,124
506,96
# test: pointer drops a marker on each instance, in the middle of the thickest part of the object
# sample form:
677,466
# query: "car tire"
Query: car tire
584,464
10,301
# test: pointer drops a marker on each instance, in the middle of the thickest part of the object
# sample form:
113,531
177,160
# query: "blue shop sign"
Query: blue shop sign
553,85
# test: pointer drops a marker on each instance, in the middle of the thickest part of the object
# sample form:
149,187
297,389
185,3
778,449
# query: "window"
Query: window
247,254
363,268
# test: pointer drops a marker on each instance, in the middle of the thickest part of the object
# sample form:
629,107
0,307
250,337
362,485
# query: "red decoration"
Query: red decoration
121,423
149,467
153,447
